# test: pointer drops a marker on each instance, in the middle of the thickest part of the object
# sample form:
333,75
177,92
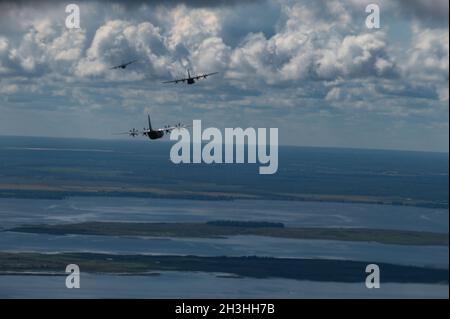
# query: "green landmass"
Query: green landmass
218,229
255,267
59,192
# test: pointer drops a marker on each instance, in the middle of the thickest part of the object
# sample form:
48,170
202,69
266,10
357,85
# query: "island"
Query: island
222,229
325,270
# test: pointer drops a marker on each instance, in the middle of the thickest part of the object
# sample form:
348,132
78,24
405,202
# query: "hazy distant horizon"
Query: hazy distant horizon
166,140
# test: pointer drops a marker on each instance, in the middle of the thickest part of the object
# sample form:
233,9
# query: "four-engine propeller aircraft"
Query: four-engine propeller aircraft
191,79
154,134
123,65
159,133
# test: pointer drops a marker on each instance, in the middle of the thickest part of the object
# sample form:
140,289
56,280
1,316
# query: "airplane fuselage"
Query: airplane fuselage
190,81
153,135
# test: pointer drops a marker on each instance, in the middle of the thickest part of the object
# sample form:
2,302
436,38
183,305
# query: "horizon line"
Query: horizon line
281,145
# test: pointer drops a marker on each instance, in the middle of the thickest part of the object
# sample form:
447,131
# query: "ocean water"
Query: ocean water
410,176
15,212
236,246
204,285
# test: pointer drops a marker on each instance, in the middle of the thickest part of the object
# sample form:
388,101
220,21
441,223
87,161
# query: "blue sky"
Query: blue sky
312,69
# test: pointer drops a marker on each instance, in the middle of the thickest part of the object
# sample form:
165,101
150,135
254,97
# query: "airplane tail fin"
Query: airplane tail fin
189,73
149,123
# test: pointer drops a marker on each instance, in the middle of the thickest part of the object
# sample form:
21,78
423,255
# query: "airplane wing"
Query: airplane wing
171,128
197,77
145,131
167,129
176,81
203,76
133,132
128,63
123,65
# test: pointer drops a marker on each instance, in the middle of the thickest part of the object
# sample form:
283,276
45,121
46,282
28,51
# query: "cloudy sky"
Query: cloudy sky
311,68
